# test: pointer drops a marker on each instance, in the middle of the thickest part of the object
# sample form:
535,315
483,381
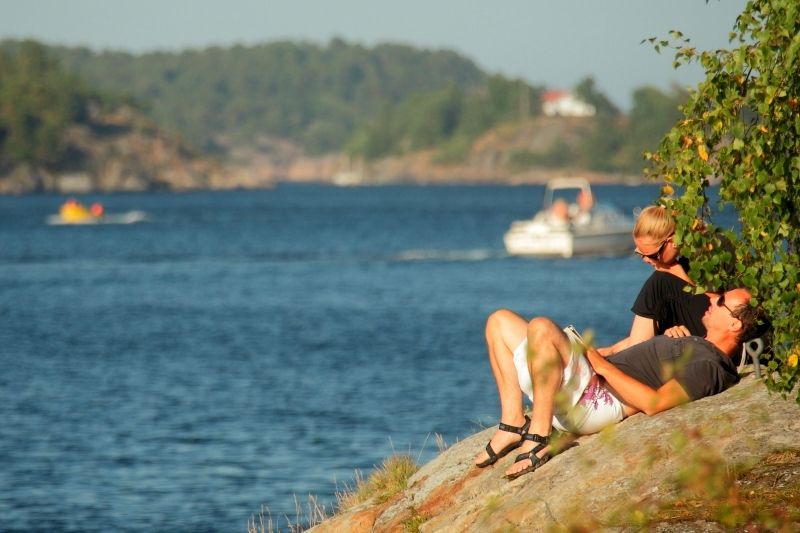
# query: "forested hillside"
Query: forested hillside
57,134
300,91
289,111
38,101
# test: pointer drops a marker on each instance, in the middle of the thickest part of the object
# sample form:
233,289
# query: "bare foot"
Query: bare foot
501,439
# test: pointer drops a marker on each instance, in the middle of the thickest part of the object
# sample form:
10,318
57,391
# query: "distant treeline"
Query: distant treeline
448,119
369,102
38,101
300,91
616,142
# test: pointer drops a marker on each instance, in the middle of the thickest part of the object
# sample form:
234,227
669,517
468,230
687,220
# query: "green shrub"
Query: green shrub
741,128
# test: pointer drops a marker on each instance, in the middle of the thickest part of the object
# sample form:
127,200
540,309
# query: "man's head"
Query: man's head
730,315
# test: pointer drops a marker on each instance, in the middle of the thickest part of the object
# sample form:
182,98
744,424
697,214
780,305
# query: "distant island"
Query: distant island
74,120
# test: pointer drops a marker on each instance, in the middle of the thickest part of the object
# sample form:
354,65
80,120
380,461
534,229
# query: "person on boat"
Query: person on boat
662,302
581,211
585,200
559,213
576,389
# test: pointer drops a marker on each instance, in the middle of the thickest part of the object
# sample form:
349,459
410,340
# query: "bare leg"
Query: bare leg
505,331
549,350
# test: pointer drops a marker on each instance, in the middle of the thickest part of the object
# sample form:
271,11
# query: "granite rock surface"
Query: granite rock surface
600,480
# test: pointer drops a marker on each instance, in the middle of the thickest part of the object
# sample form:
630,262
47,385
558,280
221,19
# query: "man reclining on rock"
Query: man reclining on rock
583,393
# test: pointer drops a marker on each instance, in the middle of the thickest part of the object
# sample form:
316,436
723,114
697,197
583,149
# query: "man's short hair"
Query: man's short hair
755,322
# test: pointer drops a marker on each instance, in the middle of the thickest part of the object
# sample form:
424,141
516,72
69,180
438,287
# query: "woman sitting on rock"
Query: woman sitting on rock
663,302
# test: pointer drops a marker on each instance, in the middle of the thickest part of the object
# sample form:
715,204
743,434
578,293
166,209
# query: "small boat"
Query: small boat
74,212
570,224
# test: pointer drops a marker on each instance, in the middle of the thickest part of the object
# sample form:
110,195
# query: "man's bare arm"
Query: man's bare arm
636,393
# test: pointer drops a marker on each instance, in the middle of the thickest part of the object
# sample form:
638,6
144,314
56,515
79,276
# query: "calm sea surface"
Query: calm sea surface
248,348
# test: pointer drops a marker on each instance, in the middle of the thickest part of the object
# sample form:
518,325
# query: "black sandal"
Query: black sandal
522,431
536,461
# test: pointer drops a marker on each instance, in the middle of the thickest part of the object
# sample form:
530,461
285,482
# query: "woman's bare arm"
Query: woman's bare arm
642,329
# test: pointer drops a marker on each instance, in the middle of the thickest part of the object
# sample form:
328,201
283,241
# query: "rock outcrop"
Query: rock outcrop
615,480
489,158
122,150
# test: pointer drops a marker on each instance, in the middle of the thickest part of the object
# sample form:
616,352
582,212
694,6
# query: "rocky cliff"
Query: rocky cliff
122,150
713,465
490,159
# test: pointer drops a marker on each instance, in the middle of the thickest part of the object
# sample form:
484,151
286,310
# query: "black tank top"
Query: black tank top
663,299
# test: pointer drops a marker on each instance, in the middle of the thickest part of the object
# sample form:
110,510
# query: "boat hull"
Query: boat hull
131,217
567,243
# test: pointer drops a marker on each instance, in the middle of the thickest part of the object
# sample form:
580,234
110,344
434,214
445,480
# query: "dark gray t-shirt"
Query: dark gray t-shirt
699,366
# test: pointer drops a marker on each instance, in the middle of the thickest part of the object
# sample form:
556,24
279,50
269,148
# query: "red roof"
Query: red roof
553,96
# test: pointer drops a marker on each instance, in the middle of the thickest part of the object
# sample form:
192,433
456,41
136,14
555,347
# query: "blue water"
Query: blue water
247,348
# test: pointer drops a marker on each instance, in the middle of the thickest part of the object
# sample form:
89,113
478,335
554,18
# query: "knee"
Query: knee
497,321
542,329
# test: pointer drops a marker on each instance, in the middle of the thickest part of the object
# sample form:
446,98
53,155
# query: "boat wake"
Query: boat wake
408,256
131,217
447,255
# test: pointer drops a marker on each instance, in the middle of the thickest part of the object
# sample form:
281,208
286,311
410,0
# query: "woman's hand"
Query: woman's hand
605,352
678,331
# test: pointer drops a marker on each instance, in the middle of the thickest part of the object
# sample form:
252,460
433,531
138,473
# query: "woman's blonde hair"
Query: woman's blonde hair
655,223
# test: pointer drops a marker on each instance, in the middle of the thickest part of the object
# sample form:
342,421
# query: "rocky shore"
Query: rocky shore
122,150
713,465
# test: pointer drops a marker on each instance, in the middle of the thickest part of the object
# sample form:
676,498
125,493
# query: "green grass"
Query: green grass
388,480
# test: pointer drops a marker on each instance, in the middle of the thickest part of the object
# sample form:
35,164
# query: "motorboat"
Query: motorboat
571,223
74,212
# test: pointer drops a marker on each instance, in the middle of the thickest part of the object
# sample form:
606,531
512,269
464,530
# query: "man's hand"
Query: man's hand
597,360
678,331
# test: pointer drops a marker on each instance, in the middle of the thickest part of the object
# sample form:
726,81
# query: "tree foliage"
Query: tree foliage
369,102
616,143
311,94
652,115
38,101
586,91
448,119
741,127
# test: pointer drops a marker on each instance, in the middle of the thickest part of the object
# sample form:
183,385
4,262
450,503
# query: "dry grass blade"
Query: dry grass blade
390,479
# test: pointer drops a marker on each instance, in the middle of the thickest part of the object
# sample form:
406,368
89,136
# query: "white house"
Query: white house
565,104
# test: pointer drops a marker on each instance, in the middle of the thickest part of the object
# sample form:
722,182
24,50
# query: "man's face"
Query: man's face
719,315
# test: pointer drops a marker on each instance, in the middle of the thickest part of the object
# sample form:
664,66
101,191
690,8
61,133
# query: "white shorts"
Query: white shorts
584,405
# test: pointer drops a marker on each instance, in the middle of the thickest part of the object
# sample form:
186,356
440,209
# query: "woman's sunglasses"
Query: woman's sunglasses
655,256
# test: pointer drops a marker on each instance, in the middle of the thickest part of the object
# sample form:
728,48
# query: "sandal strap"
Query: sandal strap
492,455
536,438
521,430
536,462
535,459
